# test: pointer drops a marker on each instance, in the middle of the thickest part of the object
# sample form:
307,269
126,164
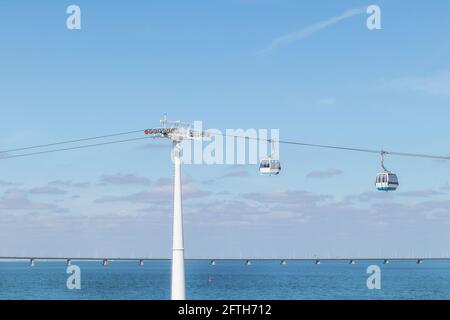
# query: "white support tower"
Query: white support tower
177,132
178,290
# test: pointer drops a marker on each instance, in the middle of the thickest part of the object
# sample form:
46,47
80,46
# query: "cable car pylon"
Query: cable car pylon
177,131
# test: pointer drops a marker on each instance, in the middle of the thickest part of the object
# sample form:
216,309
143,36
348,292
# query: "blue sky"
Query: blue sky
208,60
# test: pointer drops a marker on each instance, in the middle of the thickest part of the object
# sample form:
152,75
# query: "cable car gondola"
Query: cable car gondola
270,165
386,180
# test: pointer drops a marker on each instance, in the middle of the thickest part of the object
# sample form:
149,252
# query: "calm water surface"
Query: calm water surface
228,280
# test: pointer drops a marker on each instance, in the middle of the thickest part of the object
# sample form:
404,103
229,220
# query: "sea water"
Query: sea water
227,280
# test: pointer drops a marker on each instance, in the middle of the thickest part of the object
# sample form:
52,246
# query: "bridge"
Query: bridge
212,261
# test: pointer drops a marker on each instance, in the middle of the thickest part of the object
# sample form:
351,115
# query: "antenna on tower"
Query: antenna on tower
164,121
176,130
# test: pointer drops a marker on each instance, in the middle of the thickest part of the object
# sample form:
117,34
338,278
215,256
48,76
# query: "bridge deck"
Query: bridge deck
44,258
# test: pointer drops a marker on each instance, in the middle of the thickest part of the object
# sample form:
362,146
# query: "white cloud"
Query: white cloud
236,174
437,84
268,220
47,190
4,183
324,174
287,197
18,200
420,193
168,182
123,179
161,194
370,196
310,30
69,184
326,102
